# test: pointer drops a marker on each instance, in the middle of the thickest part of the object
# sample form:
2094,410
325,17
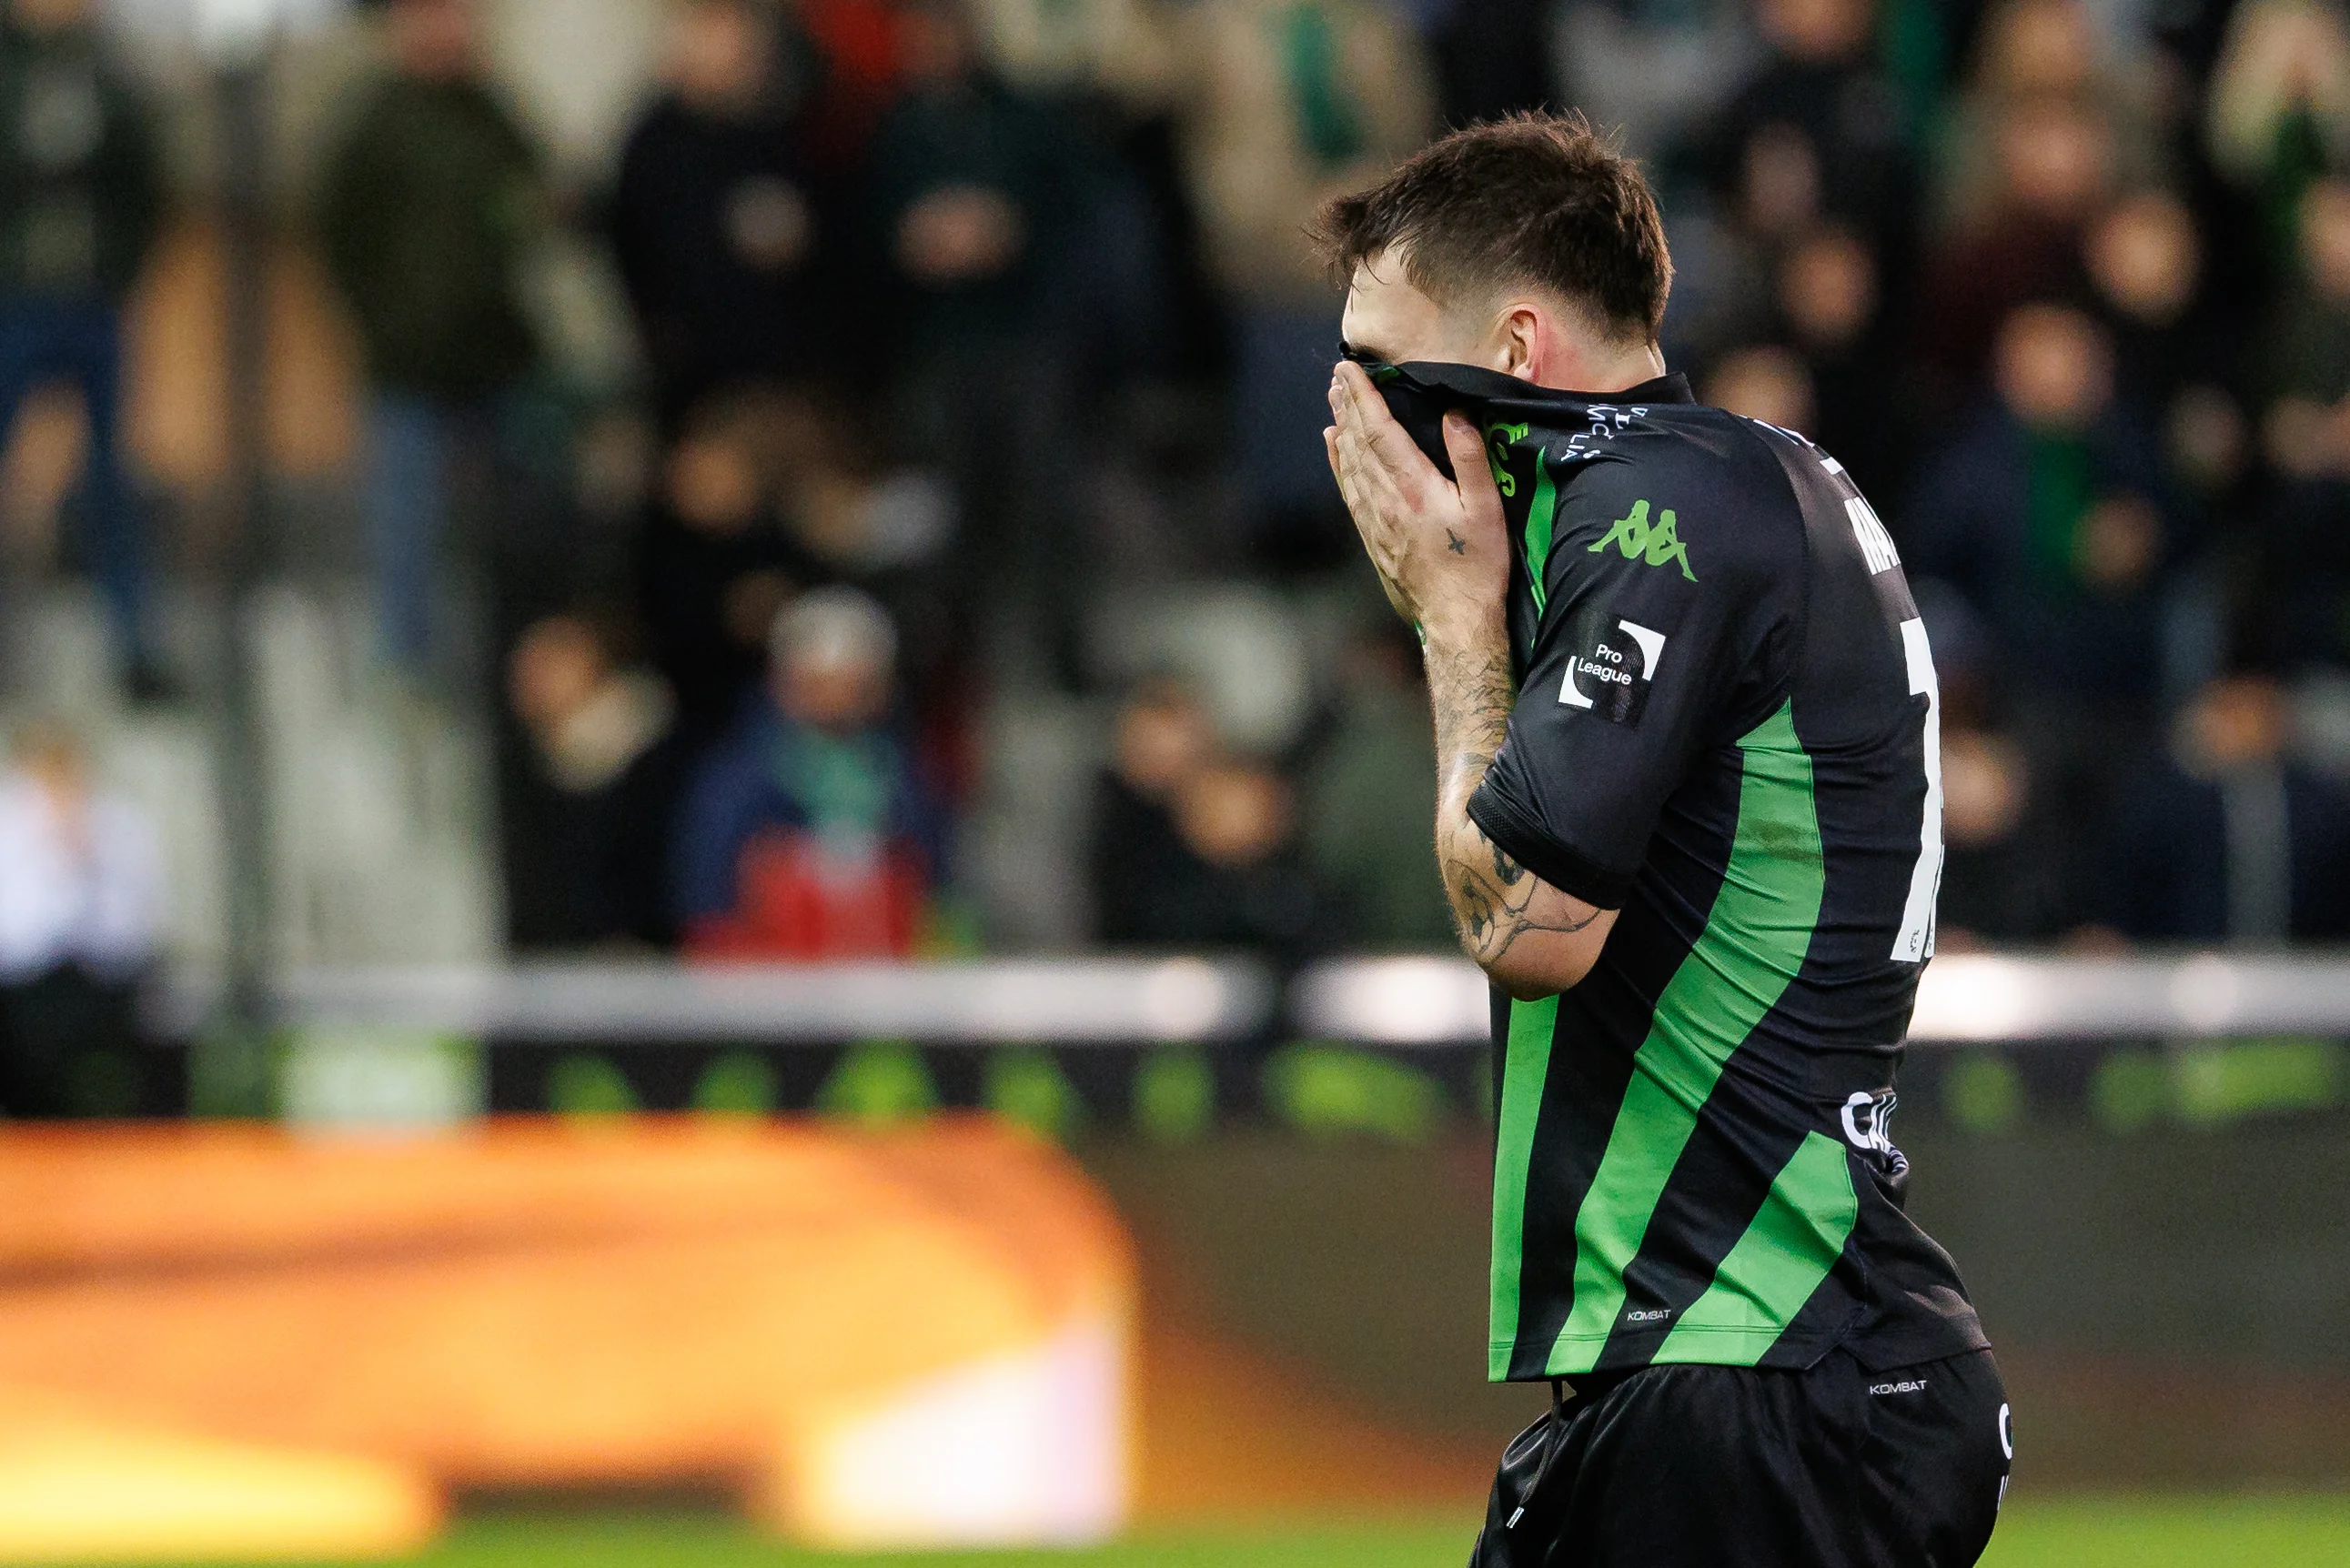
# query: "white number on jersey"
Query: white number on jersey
1916,942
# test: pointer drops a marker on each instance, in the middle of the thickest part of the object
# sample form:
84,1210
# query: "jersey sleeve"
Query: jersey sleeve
1672,598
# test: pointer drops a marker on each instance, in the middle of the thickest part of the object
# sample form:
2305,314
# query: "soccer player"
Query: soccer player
1689,824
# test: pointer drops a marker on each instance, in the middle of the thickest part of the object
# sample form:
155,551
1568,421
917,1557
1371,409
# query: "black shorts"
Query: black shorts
1733,1466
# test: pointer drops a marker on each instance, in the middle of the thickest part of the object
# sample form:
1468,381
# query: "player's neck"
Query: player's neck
1587,367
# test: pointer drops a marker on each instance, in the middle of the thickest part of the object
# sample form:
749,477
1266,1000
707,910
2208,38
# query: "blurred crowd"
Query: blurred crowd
976,357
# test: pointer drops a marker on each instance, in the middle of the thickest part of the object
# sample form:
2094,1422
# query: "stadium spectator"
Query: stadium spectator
862,47
713,568
974,189
591,794
1286,103
2055,120
855,511
1832,306
2303,379
1190,848
2008,870
2045,510
435,206
2279,107
1071,49
1164,739
731,249
2176,352
82,895
2054,170
1814,141
2042,52
1818,132
2303,370
1656,69
80,198
1989,875
1239,820
2223,836
810,831
2144,262
980,197
1131,294
1101,70
2172,349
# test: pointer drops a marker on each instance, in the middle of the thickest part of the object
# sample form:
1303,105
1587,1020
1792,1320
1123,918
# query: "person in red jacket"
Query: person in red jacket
810,832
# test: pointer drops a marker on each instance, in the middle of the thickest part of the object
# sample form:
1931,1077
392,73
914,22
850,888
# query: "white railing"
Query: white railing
1414,1002
1071,1001
1968,997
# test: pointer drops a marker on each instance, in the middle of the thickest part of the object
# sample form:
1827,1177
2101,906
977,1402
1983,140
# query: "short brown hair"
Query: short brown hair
1535,199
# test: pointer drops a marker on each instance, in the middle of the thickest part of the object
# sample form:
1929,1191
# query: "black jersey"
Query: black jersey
1726,728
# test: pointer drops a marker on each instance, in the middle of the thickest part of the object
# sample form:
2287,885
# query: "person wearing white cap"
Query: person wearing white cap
810,832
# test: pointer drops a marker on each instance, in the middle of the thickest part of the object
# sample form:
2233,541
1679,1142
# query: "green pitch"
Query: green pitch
2283,1532
2077,1532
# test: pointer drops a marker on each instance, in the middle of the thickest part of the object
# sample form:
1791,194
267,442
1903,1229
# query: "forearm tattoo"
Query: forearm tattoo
1492,894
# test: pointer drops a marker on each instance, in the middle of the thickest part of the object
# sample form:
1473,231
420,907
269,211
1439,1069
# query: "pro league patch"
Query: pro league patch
1611,667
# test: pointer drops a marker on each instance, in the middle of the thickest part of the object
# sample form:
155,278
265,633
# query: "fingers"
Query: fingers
1347,467
1362,411
1468,449
1364,482
1481,498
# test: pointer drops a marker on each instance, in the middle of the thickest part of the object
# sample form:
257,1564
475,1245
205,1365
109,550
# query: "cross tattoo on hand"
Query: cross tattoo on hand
1459,546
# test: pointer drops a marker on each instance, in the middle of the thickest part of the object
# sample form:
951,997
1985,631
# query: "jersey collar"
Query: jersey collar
1476,381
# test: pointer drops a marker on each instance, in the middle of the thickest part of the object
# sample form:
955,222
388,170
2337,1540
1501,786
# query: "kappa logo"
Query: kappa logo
1641,540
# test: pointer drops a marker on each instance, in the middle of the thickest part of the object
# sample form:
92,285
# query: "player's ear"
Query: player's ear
1517,344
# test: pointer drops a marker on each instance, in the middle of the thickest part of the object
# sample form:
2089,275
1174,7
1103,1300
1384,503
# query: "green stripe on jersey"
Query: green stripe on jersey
1754,940
1542,512
1525,1067
1766,1279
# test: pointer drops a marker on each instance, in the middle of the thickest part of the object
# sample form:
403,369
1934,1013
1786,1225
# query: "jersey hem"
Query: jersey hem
1807,1347
1877,1349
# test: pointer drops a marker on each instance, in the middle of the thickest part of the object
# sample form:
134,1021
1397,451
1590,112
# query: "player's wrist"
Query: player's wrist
1455,630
